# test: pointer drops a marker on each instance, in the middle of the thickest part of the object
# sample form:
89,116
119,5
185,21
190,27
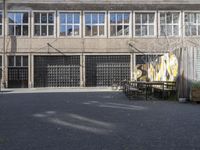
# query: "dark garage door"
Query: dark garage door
56,71
106,70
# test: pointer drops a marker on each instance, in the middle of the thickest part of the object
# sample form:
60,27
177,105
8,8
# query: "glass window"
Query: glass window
18,24
192,24
1,24
169,23
120,24
144,24
70,24
43,24
95,24
11,61
17,61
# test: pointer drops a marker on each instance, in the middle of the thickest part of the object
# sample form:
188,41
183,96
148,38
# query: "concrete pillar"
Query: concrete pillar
132,66
82,70
30,72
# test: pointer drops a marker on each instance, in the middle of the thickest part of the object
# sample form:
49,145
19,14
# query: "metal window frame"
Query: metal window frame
154,24
47,24
179,23
130,24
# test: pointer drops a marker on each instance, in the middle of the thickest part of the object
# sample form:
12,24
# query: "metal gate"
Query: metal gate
107,70
17,71
56,71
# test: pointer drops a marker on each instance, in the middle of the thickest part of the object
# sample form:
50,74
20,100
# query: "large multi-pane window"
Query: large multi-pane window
18,23
95,24
70,24
120,24
1,23
144,24
44,23
192,24
17,61
169,23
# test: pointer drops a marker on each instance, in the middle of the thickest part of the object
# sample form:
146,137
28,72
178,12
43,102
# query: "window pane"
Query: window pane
0,29
94,18
62,30
126,17
76,30
11,30
94,31
18,30
119,18
176,30
88,30
151,18
88,18
199,30
77,18
144,18
187,30
25,30
25,17
62,18
101,30
10,60
187,17
70,18
51,18
163,30
176,17
162,18
151,30
44,17
0,20
169,18
126,30
112,18
119,30
18,17
37,30
25,61
69,30
144,30
112,30
198,18
169,30
137,30
101,18
44,30
194,30
11,17
37,17
137,18
18,61
51,30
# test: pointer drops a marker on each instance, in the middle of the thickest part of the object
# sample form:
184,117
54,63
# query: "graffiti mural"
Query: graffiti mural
156,68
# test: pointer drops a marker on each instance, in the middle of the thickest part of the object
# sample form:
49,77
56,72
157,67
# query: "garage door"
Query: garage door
106,70
56,71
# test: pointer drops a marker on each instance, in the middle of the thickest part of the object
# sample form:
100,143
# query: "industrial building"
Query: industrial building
72,43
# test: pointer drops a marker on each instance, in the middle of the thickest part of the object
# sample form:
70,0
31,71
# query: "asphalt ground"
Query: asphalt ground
96,121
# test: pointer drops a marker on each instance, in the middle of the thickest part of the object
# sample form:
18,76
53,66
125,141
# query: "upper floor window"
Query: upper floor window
144,24
169,23
18,23
120,24
1,23
192,24
95,24
44,23
70,24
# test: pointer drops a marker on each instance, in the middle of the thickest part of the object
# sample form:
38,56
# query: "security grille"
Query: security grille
198,65
17,71
56,71
107,70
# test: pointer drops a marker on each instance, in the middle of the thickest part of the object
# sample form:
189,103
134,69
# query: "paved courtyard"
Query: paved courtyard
95,121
